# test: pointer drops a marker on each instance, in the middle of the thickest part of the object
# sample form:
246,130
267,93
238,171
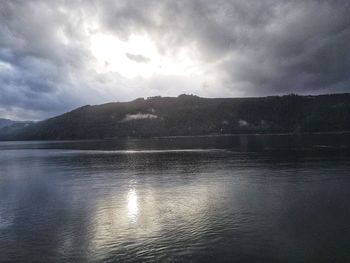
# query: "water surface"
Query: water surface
201,199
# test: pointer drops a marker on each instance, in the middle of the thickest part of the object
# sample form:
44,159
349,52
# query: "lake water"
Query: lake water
265,198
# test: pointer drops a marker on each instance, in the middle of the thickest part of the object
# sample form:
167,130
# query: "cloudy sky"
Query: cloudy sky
57,55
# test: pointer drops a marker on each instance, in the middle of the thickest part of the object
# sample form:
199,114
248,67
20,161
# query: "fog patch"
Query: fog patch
243,123
139,116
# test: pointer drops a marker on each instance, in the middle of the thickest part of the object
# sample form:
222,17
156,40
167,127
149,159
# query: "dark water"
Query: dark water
209,199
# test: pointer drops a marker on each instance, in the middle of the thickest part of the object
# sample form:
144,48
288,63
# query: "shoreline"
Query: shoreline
184,136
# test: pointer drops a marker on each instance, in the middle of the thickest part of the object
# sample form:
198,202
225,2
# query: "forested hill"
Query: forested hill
6,122
192,115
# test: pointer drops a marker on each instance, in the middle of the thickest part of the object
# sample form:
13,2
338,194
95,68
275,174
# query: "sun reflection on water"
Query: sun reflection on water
132,205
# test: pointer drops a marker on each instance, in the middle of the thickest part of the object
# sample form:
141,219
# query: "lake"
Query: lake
267,198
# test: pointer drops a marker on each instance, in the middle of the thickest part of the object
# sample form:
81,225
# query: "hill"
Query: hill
192,115
6,123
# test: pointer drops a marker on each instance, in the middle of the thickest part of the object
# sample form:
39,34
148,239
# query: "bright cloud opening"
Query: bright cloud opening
138,57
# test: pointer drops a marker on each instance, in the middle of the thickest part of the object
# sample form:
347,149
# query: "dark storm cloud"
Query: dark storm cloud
33,58
252,47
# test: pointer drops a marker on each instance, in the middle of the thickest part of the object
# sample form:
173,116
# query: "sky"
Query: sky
59,55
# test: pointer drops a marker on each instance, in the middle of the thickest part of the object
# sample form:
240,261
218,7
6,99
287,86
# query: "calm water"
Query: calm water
209,199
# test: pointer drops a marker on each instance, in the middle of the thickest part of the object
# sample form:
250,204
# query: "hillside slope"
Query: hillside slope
6,123
192,115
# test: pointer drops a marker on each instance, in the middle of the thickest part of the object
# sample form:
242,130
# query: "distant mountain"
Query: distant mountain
10,128
192,115
6,123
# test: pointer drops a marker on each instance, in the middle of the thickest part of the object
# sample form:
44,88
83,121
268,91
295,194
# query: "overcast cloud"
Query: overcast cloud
50,62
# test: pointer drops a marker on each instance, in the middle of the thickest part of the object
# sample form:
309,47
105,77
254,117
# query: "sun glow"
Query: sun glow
138,56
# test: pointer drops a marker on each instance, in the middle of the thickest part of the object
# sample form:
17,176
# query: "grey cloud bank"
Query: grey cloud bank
237,48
